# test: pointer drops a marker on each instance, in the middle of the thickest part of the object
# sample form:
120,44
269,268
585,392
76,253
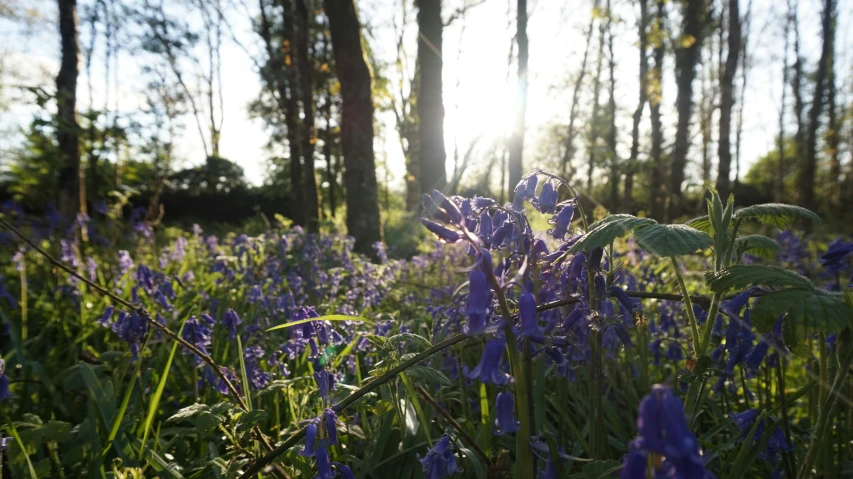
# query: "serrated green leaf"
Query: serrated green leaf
403,337
779,215
602,233
702,223
742,275
808,310
199,408
428,374
758,245
671,240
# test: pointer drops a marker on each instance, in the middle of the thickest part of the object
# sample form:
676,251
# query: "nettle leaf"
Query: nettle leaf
702,223
758,245
199,408
776,214
742,275
428,374
808,310
603,232
671,240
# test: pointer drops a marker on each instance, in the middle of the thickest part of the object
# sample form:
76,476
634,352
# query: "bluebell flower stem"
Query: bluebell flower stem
694,391
789,457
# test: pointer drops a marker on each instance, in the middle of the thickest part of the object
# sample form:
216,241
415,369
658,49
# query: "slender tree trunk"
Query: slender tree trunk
326,113
744,60
832,134
516,143
779,176
687,56
656,184
363,222
611,109
631,166
806,178
797,90
430,104
297,182
727,99
593,133
72,186
706,113
569,152
306,89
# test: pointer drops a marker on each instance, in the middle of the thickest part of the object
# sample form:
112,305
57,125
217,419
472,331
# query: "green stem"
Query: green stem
694,391
688,304
790,460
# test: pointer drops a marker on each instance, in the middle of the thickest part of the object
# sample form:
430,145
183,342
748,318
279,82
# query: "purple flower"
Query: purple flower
489,368
330,421
439,462
505,422
448,207
4,382
548,198
325,382
197,333
310,436
343,470
132,328
836,253
324,465
525,190
561,221
230,320
444,234
634,466
528,327
478,301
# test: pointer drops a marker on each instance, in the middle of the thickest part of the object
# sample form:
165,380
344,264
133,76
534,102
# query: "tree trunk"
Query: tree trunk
779,176
806,178
363,222
611,109
516,143
326,112
297,182
569,152
832,136
727,99
631,167
797,89
72,186
744,69
687,56
306,90
657,184
592,135
430,104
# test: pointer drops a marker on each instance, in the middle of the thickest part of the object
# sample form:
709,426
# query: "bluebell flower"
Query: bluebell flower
330,421
310,438
561,222
444,234
489,368
324,465
634,466
528,326
837,252
448,207
197,333
505,422
439,462
231,320
548,198
478,301
777,443
343,470
132,328
107,316
4,382
325,382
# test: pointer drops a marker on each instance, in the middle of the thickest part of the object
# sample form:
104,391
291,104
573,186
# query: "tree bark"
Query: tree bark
306,92
832,136
687,56
657,185
779,177
611,109
727,99
569,152
807,172
744,70
363,222
71,187
516,143
631,166
593,134
291,99
430,104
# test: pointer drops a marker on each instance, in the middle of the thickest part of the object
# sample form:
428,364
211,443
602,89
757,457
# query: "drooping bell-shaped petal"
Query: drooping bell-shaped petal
485,229
489,370
343,470
324,465
528,326
444,234
478,301
525,190
838,250
310,437
448,206
231,320
548,198
330,421
324,382
505,422
561,221
634,466
439,462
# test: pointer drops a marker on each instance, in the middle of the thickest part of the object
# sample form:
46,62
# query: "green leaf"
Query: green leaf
199,408
428,374
600,469
776,214
758,245
702,223
330,317
741,275
808,310
602,233
671,240
405,337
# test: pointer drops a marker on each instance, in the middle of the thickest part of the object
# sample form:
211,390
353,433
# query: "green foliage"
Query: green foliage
808,310
758,245
603,232
776,214
671,240
741,276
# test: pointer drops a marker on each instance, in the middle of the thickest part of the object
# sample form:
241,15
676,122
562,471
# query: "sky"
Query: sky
479,81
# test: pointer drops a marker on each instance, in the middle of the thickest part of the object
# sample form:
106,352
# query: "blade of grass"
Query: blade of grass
243,375
155,400
331,317
14,432
417,404
124,403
